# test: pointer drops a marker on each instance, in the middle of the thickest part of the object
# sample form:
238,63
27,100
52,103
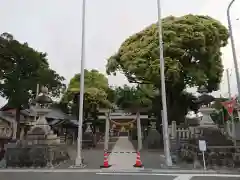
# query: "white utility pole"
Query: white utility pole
78,161
107,128
228,83
233,47
163,88
232,118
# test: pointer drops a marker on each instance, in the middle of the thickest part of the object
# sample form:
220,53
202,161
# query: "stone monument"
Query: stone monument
89,139
42,147
206,119
202,111
153,140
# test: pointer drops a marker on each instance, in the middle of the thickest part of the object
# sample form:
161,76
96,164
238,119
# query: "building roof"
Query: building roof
57,114
6,107
6,116
28,112
56,122
53,114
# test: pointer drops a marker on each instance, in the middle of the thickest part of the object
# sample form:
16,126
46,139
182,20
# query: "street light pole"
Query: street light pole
230,97
78,161
233,47
163,88
228,83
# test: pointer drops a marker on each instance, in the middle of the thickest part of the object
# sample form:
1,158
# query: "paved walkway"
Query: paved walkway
122,160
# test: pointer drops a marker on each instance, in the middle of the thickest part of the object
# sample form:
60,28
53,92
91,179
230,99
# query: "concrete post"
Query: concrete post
22,133
14,129
73,138
174,129
228,129
106,131
139,132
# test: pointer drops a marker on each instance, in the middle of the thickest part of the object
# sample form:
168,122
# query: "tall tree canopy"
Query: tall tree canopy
21,69
192,55
131,98
95,92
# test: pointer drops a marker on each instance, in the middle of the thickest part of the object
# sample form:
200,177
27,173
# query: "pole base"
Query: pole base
79,163
78,166
169,162
106,166
138,166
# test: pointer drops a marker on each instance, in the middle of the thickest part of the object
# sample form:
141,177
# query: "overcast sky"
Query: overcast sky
54,26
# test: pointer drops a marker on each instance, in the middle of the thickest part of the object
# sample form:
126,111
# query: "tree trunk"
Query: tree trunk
18,122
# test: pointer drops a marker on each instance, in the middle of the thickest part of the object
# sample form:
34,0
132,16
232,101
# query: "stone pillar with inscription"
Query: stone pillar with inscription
153,140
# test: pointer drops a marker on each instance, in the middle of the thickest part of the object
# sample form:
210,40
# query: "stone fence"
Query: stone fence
183,133
5,132
227,156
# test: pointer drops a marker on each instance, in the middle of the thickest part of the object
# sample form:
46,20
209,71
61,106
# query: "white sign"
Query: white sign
202,145
153,125
203,148
88,129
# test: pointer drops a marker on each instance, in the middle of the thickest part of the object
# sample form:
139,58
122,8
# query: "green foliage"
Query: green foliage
97,94
127,97
95,90
21,69
191,50
111,96
192,54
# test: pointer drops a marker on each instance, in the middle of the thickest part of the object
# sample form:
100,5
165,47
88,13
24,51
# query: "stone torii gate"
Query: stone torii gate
122,115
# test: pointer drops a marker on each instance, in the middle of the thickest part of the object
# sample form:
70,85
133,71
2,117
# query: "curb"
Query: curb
142,170
71,169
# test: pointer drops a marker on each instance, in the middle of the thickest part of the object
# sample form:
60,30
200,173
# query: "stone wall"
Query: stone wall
35,156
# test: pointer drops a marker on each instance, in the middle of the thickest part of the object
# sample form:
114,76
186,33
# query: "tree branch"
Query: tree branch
145,93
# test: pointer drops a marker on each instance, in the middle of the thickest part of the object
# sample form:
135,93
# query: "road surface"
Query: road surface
78,175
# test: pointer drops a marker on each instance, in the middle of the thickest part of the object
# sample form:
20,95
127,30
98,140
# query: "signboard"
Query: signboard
153,125
123,129
203,148
229,105
88,129
202,145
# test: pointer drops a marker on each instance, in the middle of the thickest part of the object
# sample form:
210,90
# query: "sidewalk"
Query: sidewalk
123,155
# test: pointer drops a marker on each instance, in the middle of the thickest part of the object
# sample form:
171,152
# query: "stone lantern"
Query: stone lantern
42,147
41,132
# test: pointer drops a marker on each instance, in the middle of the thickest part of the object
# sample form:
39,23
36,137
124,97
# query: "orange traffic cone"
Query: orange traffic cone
138,161
105,161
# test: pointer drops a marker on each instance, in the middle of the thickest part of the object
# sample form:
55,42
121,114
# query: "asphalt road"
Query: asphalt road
75,176
214,178
104,176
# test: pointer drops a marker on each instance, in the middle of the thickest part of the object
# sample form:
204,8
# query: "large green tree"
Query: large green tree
97,94
192,54
131,98
21,69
